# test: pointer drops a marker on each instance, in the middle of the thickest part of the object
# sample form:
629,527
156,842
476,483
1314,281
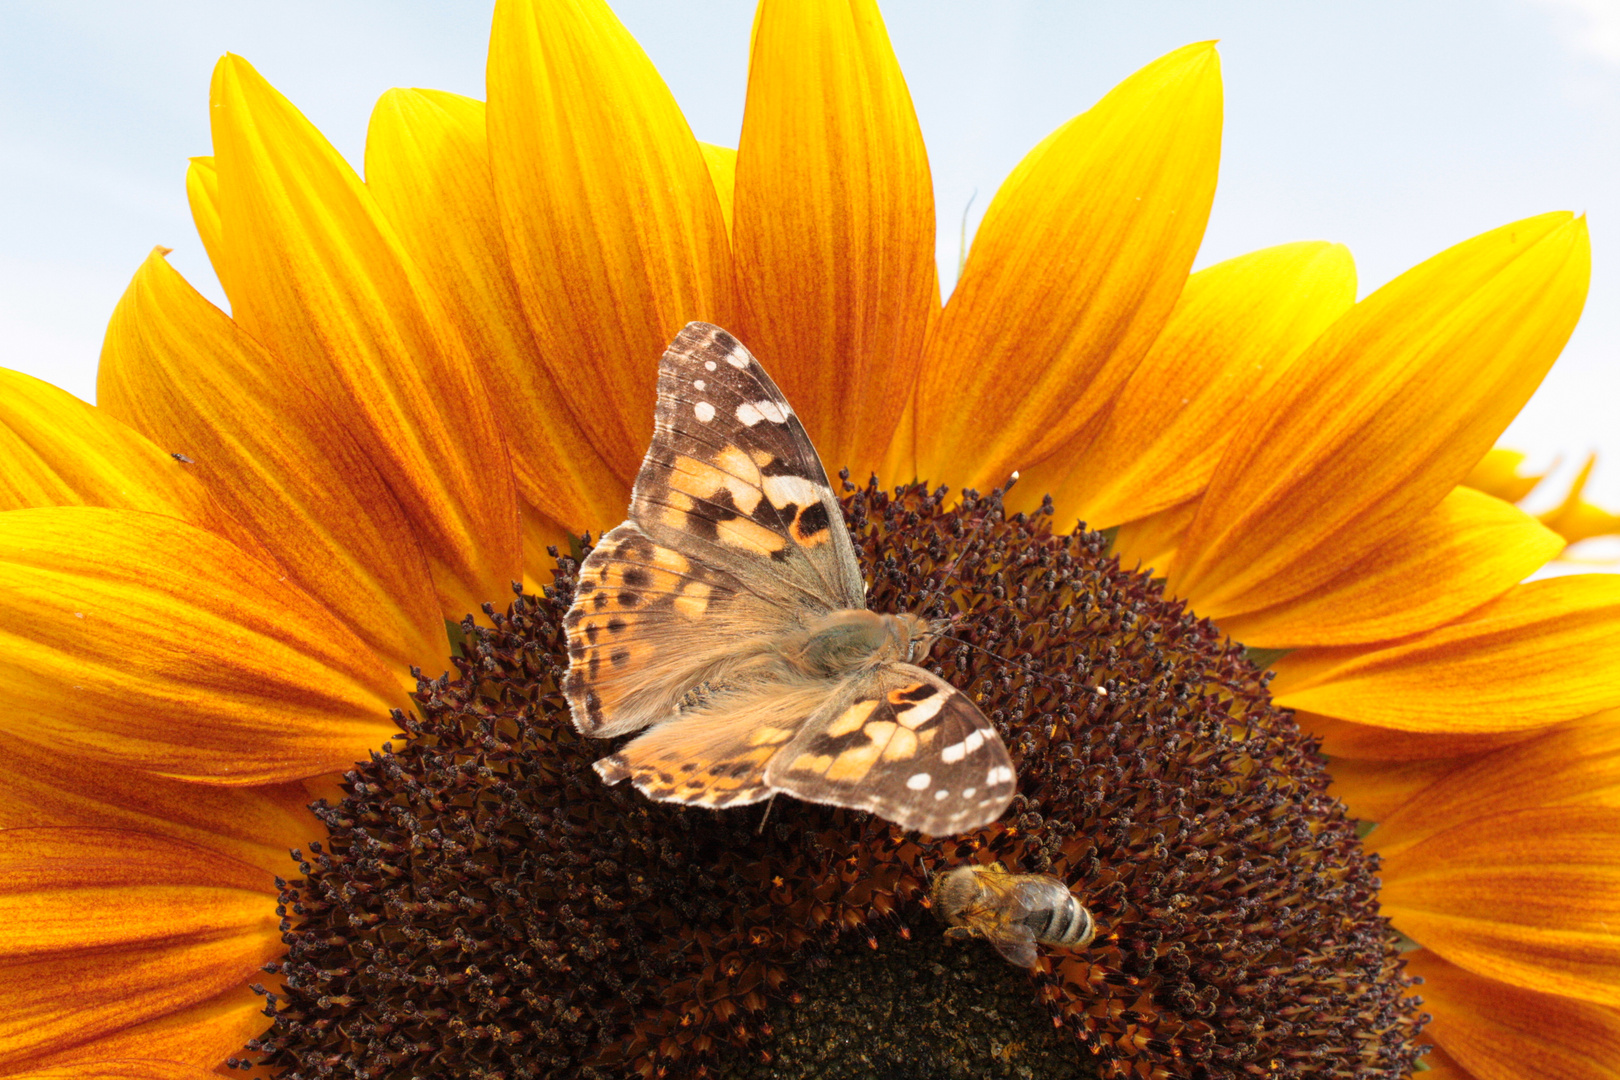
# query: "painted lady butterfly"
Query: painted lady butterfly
728,618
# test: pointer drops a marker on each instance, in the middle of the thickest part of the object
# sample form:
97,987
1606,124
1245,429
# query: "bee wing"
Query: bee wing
1016,944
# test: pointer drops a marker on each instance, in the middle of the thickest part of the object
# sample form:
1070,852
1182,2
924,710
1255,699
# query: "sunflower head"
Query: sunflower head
485,905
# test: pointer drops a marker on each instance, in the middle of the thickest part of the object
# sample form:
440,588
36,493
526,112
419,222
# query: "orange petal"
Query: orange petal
1234,331
1383,415
1529,896
106,929
138,639
253,825
119,1069
200,1036
1543,652
1498,1031
1072,274
1343,738
1373,790
1150,543
55,450
1497,473
175,367
1573,763
427,163
834,234
1575,519
615,233
1470,549
324,284
722,163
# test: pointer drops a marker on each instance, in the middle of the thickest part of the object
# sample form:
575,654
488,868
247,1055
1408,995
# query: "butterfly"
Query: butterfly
727,617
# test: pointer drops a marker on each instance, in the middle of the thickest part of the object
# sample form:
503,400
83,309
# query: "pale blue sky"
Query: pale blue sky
1398,127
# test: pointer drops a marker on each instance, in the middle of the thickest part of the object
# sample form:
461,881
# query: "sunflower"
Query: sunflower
219,587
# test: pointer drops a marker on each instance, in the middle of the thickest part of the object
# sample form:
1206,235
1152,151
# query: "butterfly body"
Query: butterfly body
726,619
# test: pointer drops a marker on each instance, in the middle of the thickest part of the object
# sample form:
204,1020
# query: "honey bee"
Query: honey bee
1013,911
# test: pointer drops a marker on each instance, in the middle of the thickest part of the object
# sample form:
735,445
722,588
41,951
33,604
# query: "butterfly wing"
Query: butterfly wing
905,744
734,539
732,479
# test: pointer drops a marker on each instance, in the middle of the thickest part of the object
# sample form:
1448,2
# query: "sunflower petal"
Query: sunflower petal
427,163
1575,519
1574,763
1373,790
137,639
199,1035
1084,251
614,229
1346,739
1528,896
722,163
202,194
1383,415
1150,543
253,825
324,284
177,368
1504,667
1232,334
1497,473
106,929
1470,549
834,233
119,1069
55,450
1498,1031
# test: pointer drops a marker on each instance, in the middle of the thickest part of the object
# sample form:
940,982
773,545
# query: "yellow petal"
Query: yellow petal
175,367
1541,653
1575,519
722,163
1073,273
253,825
1499,1031
834,233
1573,763
1497,473
106,929
324,284
1529,896
614,230
55,450
1383,415
202,193
138,639
427,163
1470,549
1235,330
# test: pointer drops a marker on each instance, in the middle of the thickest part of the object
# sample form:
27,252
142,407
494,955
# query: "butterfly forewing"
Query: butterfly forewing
688,615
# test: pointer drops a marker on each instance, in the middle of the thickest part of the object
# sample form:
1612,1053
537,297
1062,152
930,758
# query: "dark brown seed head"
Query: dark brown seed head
483,906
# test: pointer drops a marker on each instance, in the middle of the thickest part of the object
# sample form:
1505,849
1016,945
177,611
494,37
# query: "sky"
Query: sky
1397,127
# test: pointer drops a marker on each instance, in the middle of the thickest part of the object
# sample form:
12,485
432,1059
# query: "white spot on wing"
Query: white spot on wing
737,359
918,781
704,411
700,384
957,751
969,792
941,794
708,365
998,775
794,490
752,412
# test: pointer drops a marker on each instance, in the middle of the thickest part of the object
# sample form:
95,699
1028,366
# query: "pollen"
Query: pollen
483,905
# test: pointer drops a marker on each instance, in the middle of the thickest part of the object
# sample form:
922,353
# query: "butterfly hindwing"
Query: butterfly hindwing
904,744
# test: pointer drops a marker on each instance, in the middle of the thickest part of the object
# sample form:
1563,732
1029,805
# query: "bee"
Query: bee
1013,911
